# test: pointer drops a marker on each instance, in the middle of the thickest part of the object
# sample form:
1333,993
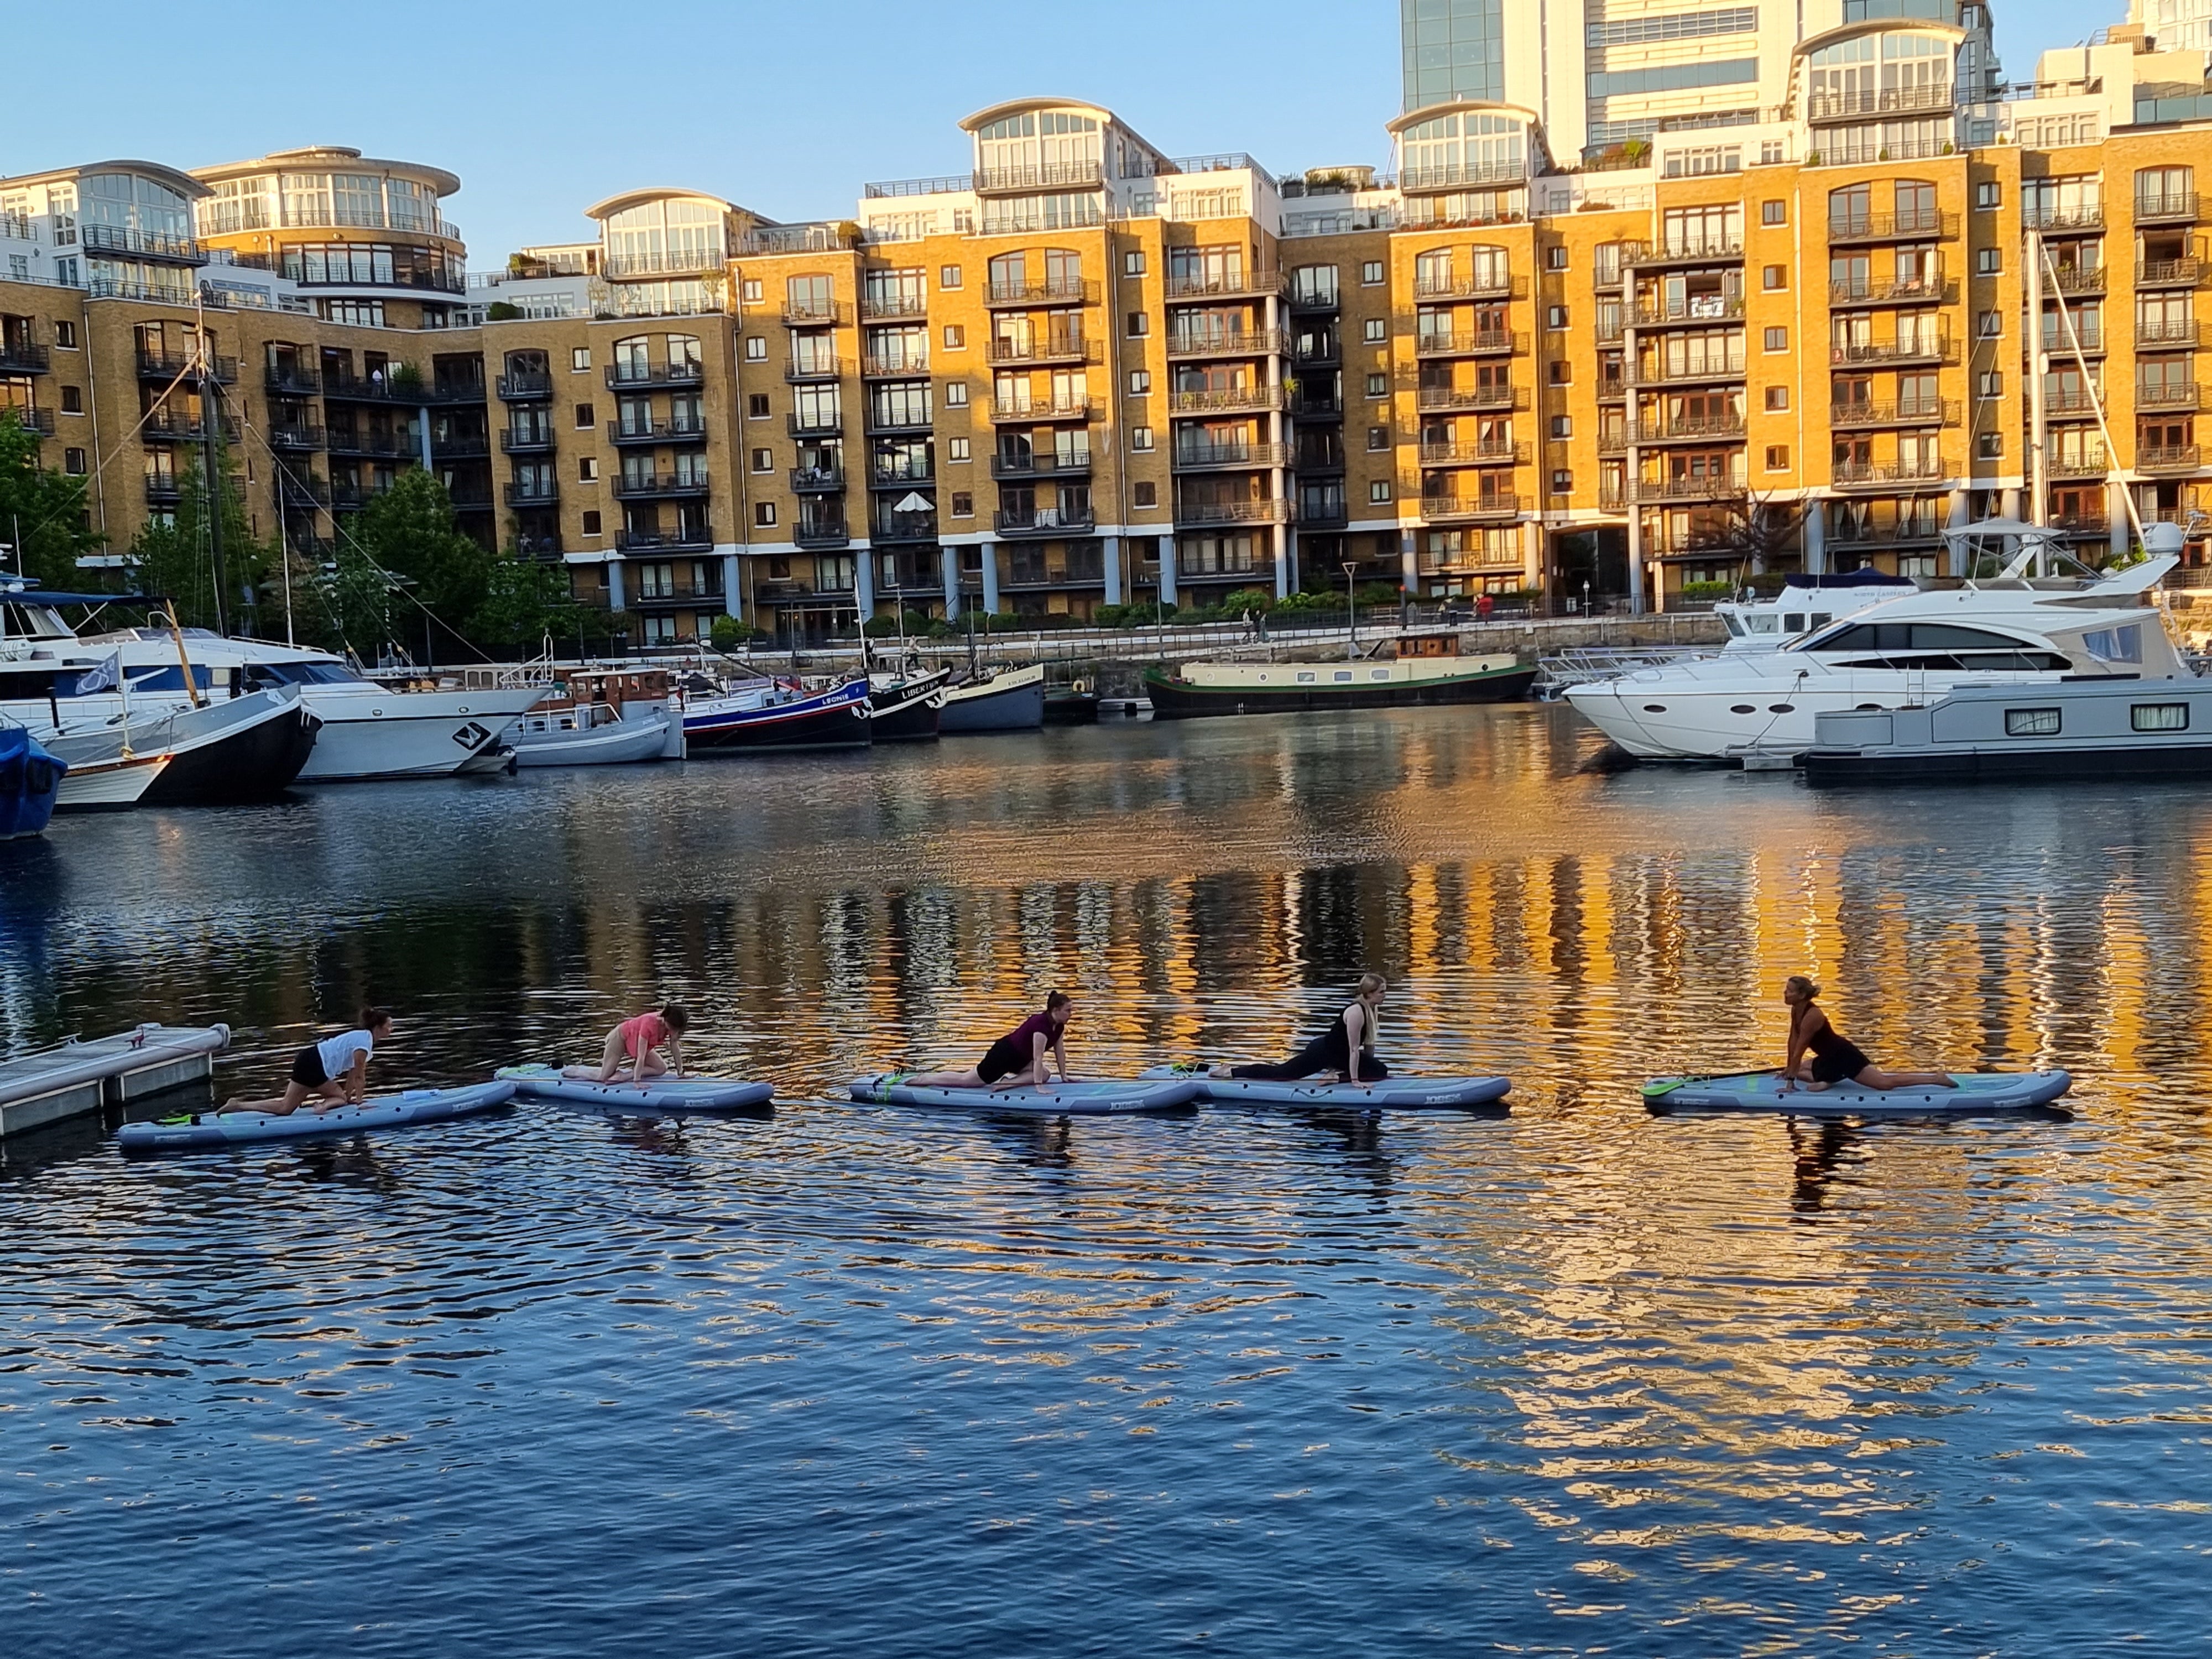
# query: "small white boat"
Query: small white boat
1008,700
591,735
246,749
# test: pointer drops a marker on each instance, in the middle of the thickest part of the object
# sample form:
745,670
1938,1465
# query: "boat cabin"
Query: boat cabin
1428,645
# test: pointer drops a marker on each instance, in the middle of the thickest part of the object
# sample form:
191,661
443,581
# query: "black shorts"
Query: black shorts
307,1069
1004,1060
1840,1064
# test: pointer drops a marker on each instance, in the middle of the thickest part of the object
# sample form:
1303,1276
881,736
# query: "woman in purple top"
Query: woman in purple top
1018,1059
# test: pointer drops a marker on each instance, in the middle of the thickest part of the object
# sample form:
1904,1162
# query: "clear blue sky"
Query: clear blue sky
788,108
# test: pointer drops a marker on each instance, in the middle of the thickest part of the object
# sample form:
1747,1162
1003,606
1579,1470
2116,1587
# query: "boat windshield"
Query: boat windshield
263,674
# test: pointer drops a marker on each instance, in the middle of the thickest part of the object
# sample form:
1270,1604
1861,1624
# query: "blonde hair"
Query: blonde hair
1798,982
1369,984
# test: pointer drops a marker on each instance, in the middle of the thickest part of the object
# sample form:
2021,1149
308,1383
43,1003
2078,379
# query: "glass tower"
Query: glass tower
1454,49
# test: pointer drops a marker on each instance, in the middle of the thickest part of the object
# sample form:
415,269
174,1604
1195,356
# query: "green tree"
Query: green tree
524,601
176,560
408,532
45,509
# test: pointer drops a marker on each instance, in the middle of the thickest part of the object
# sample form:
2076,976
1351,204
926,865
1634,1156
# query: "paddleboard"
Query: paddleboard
1761,1091
201,1130
1085,1098
1395,1093
660,1094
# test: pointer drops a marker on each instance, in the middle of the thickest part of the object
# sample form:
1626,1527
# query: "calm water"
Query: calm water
866,1382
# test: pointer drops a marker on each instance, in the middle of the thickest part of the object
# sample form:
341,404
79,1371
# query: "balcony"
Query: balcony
1496,453
1686,428
2088,464
1029,181
894,307
520,493
1462,175
190,368
685,539
527,386
2092,339
302,489
1324,511
373,388
1225,343
349,440
2167,331
1894,228
1225,285
823,367
1910,291
1317,406
816,480
183,426
1910,411
2168,273
812,314
1705,370
455,392
1201,457
1068,291
1324,354
821,530
1471,342
822,424
2169,207
460,446
1225,400
622,376
1200,514
531,441
2071,400
906,474
164,489
22,357
1230,569
469,498
291,381
1482,285
905,527
2071,280
1940,350
1465,509
1824,108
684,261
1717,248
1444,398
1041,464
1062,349
1695,312
2081,524
143,244
1702,487
895,365
1046,521
2168,458
2167,397
40,421
1886,475
650,487
1315,300
2076,218
898,419
1048,409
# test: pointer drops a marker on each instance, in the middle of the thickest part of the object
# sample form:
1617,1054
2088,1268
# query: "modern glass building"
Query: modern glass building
1454,49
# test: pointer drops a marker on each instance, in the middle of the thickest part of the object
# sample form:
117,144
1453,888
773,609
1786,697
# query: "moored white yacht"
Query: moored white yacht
2009,629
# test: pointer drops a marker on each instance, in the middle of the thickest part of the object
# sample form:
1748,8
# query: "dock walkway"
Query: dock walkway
72,1078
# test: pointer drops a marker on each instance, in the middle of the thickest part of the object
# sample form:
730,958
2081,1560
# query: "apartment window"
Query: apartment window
764,514
1140,382
1778,458
587,469
1774,213
1778,397
1988,261
1989,325
1774,278
1132,262
585,422
763,460
1145,495
72,400
1555,317
956,337
756,406
592,521
948,275
751,291
1378,437
1989,383
579,359
1562,482
1378,385
73,461
956,449
65,336
1563,426
1140,438
956,394
1141,324
755,348
1563,372
1987,194
1370,273
1778,339
1376,331
1555,258
1379,490
1770,152
1988,445
963,505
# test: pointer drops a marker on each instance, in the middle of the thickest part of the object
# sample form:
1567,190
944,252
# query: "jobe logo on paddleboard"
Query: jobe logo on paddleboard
471,736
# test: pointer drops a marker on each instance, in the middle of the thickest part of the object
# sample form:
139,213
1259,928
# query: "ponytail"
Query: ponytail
1799,982
371,1017
678,1017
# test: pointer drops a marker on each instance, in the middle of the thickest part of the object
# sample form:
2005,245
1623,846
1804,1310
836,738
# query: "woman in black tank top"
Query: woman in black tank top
1820,1054
1329,1057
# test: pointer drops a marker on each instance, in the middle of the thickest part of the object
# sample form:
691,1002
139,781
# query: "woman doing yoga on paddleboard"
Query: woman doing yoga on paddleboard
331,1072
1820,1056
1329,1057
1018,1059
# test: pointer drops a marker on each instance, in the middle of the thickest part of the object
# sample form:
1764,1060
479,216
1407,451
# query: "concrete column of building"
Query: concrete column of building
2012,503
1409,561
1166,543
617,599
1532,553
422,437
1956,509
949,560
991,578
864,583
2116,519
1113,550
1280,545
732,601
1816,540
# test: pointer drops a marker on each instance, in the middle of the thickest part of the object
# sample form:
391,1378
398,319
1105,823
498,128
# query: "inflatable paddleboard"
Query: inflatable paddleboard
1080,1099
658,1094
202,1130
1761,1091
1394,1093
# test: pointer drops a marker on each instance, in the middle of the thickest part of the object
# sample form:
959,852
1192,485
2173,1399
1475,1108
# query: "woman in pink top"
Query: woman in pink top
635,1042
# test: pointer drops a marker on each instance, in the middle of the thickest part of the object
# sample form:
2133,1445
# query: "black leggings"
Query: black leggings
1320,1056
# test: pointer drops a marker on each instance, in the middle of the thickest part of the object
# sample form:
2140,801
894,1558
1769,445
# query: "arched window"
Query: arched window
683,350
1432,272
629,356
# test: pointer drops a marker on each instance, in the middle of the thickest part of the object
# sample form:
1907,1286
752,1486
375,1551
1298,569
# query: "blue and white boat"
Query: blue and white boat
772,716
30,779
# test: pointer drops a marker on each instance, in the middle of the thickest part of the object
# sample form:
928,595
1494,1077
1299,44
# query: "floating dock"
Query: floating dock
52,1085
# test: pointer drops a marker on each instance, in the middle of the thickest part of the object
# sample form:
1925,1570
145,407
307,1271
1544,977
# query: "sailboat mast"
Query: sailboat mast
2039,360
